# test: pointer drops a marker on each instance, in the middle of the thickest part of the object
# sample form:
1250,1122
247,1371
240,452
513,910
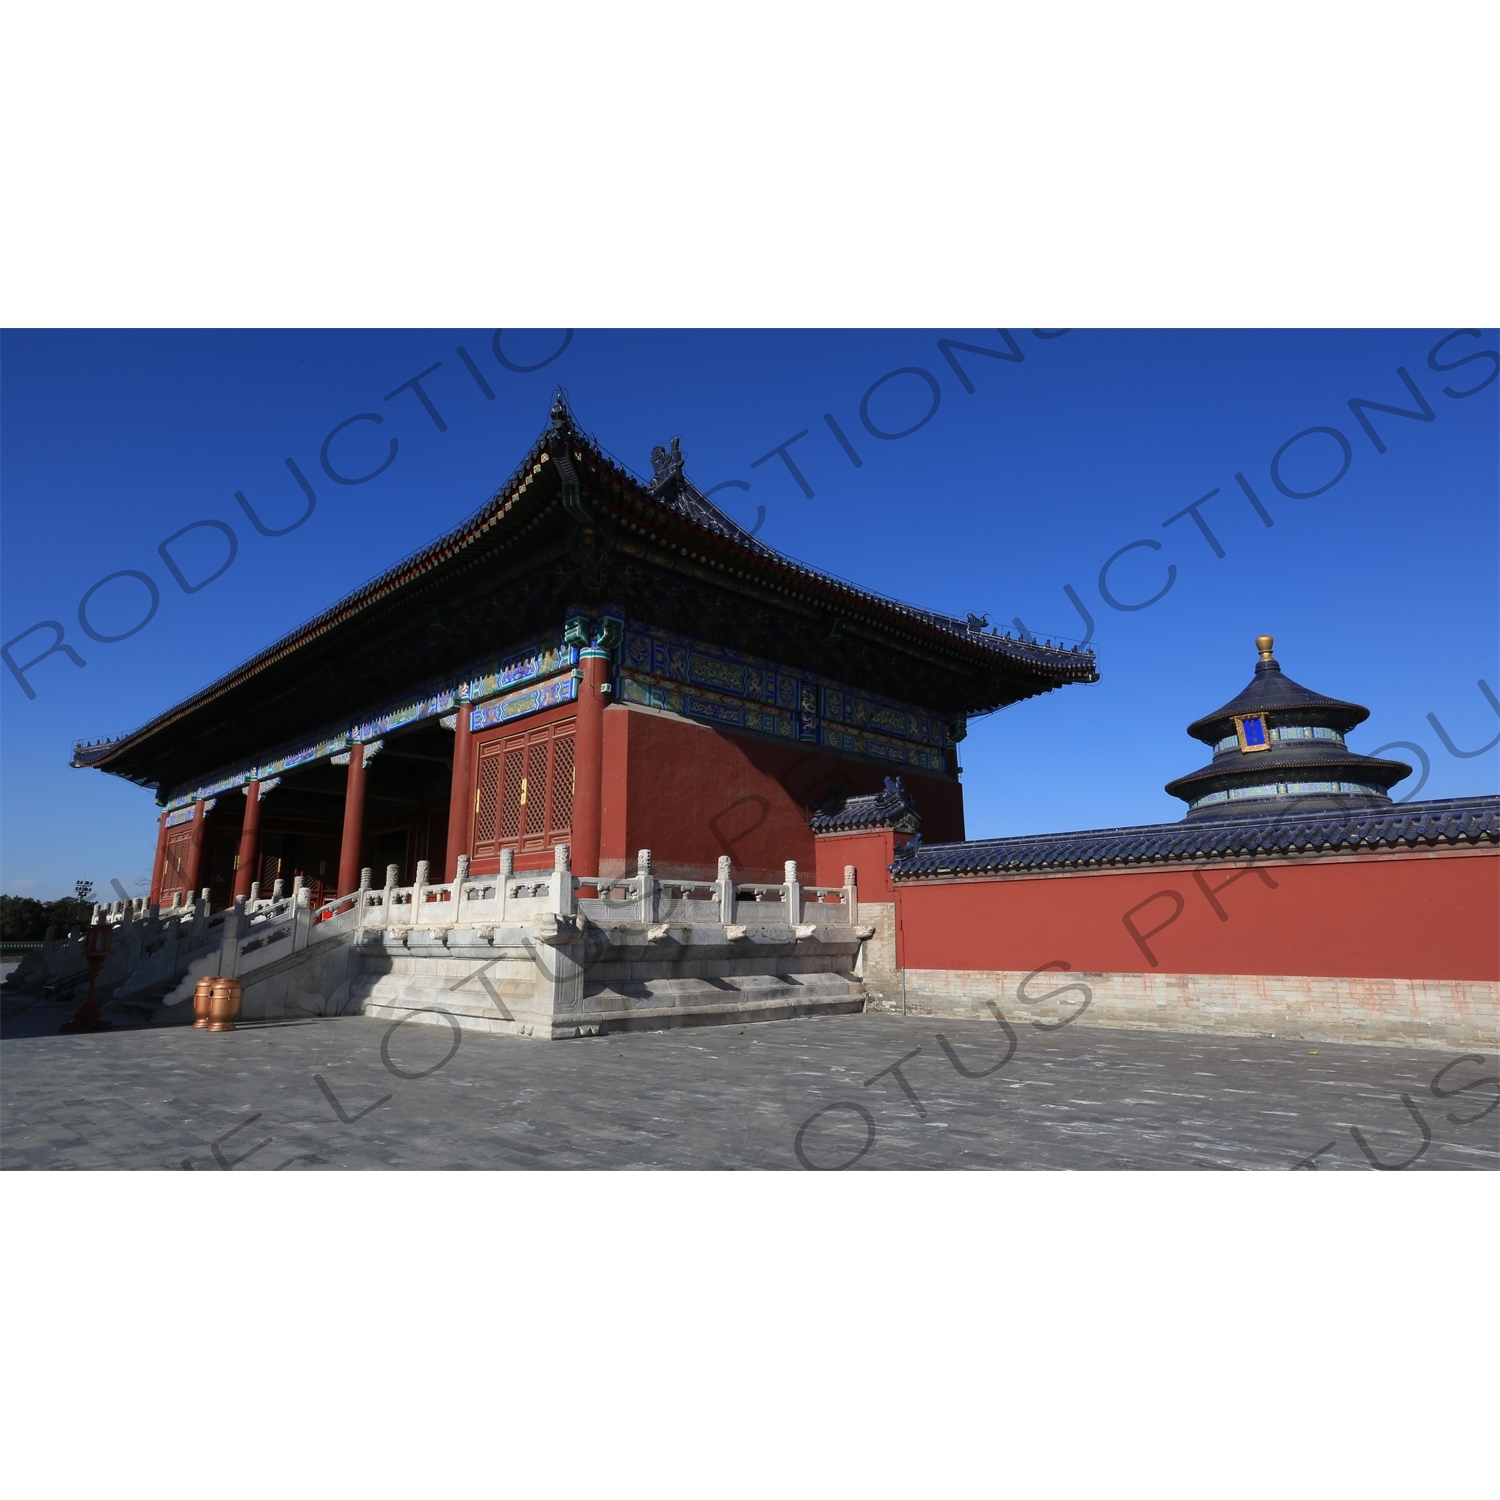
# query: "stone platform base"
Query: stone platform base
650,1006
567,976
1450,1014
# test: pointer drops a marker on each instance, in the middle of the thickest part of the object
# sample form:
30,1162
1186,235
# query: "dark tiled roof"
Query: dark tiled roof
1305,760
1450,820
1271,690
1050,666
88,755
890,808
675,491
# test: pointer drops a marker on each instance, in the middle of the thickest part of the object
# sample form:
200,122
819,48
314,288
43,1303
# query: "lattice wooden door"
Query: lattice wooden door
524,796
174,866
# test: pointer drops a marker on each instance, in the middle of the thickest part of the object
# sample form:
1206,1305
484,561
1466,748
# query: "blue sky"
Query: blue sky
1381,589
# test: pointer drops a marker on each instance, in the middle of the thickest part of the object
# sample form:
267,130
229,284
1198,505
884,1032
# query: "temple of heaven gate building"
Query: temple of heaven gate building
590,660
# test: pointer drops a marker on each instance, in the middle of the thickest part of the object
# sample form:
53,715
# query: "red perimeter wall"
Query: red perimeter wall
1398,915
870,851
690,792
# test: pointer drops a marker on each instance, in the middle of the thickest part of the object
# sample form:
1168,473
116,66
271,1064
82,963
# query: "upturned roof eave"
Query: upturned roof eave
339,614
1372,767
1051,665
1210,726
903,621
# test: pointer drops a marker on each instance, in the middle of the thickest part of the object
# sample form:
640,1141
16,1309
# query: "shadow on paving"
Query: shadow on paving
860,1092
26,1015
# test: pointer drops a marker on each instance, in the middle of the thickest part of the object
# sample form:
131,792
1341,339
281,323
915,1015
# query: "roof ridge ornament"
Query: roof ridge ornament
666,467
891,807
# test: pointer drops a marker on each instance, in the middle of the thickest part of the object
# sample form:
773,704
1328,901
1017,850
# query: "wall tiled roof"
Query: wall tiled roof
891,807
1450,820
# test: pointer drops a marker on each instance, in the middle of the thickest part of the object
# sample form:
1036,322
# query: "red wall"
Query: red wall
870,852
690,792
1383,916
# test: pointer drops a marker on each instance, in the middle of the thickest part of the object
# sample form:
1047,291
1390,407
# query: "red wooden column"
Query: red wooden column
354,822
158,870
461,797
588,762
247,862
195,851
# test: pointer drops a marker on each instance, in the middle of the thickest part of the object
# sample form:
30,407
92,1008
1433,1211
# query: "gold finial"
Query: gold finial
1263,644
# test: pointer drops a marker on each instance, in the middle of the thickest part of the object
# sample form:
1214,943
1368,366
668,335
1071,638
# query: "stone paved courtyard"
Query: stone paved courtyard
354,1093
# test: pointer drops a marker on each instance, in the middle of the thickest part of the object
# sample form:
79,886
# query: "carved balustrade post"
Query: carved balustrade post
562,882
507,874
646,888
419,892
302,922
460,877
235,922
725,886
791,892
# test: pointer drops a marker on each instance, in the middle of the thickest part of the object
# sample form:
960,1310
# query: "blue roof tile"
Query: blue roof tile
890,808
1449,820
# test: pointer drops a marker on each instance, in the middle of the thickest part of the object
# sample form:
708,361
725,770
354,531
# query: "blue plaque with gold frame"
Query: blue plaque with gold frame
1250,729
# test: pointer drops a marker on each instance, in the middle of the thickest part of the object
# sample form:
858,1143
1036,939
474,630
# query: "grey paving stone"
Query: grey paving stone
724,1098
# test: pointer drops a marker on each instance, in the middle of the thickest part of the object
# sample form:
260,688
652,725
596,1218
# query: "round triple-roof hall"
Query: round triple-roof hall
1278,745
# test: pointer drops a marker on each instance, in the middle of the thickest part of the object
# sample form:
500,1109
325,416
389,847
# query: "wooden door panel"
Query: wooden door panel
515,776
486,801
560,789
174,865
524,795
534,794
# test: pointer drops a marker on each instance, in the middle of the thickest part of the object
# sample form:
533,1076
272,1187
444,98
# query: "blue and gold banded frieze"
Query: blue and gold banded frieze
546,661
660,669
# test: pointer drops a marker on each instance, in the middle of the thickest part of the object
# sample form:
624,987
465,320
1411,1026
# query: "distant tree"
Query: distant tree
23,919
